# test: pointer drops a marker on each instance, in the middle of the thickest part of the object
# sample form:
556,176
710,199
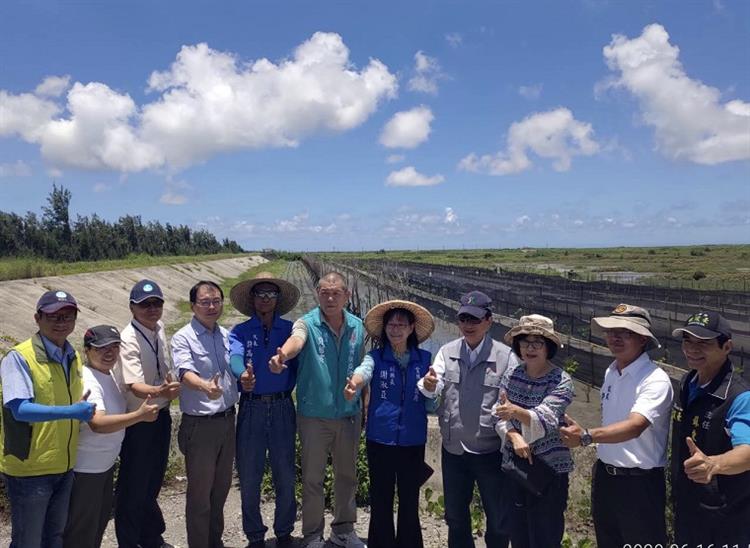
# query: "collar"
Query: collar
145,329
389,356
634,367
201,329
255,322
54,352
483,349
719,385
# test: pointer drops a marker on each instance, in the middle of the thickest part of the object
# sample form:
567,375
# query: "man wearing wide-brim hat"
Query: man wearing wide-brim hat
628,494
710,439
266,423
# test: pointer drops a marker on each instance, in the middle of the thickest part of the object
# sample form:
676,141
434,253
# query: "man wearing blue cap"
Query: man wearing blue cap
144,370
710,439
466,375
41,386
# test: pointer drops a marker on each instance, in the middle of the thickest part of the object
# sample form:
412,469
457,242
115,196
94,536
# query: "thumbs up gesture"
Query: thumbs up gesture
247,379
212,387
277,363
170,388
571,434
148,411
83,409
430,380
699,467
503,409
353,385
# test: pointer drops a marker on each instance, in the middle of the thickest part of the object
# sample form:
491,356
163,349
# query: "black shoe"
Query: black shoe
284,541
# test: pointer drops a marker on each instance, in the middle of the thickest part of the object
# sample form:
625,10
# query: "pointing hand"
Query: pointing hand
351,388
212,388
571,434
247,379
277,363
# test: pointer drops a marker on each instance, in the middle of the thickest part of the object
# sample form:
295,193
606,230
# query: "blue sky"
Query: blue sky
366,125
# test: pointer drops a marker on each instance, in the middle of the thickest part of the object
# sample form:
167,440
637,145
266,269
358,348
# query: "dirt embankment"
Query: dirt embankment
103,296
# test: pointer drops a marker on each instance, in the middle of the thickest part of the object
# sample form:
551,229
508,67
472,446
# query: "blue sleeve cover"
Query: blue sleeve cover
738,420
28,411
237,364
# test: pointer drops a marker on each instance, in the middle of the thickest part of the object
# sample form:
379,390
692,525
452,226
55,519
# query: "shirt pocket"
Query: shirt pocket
453,376
491,379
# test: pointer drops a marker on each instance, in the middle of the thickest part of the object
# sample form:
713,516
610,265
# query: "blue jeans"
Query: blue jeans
460,473
266,427
39,509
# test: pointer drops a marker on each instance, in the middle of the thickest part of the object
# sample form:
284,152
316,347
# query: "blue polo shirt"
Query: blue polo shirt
251,341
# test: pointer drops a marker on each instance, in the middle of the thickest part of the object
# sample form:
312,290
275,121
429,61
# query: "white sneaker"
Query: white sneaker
347,540
316,543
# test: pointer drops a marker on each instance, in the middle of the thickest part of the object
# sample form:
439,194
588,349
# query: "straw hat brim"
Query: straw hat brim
598,325
424,323
243,300
532,330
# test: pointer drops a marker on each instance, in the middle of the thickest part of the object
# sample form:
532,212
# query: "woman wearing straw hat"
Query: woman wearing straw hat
266,422
396,419
533,398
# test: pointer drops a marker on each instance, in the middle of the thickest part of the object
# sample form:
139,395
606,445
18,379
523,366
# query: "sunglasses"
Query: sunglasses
266,294
468,318
156,303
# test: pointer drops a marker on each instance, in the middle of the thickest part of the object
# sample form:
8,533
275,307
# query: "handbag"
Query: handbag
535,478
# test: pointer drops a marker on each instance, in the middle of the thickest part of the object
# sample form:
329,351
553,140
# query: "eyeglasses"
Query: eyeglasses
206,303
60,318
397,326
468,318
623,334
155,303
266,294
534,345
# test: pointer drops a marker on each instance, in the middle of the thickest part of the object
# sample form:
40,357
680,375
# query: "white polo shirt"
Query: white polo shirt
641,388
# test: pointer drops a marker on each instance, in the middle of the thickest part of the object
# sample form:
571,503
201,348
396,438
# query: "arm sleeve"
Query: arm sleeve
182,357
27,411
130,360
299,330
438,366
738,420
654,399
96,396
546,416
365,369
15,378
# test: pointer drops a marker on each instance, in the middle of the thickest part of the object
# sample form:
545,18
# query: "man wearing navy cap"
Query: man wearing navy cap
40,382
710,439
467,373
144,370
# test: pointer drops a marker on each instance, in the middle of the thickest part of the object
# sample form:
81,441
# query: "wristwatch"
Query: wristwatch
586,439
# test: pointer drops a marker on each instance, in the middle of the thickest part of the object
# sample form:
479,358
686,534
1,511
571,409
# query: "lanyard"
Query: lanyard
154,349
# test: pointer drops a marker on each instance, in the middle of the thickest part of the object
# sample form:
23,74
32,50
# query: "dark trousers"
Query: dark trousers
696,526
394,467
143,462
460,473
628,509
208,446
89,510
538,522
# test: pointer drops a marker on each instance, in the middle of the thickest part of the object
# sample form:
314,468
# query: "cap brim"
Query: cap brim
243,300
696,331
476,311
532,330
598,325
147,297
424,323
54,307
105,342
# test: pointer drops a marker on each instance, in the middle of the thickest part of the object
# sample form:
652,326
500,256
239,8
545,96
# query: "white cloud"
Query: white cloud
395,159
209,102
454,39
18,168
53,86
300,223
532,91
407,129
450,217
407,220
555,134
427,73
688,118
409,176
173,192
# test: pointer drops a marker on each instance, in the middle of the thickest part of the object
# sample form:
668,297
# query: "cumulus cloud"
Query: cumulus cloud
427,72
450,217
208,102
532,91
689,120
407,129
555,134
407,220
395,159
409,176
454,39
18,168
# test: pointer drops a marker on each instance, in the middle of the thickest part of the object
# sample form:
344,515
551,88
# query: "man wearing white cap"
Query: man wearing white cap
710,439
628,493
42,407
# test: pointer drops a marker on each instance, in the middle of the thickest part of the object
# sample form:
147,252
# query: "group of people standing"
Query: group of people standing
501,408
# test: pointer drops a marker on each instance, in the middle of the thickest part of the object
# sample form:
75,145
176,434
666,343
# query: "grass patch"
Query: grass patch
17,268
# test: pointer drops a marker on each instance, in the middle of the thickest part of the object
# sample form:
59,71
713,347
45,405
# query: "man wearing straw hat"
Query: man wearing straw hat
267,420
466,374
628,494
330,344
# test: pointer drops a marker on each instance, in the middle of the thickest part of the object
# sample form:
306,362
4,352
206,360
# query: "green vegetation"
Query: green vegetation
701,267
12,268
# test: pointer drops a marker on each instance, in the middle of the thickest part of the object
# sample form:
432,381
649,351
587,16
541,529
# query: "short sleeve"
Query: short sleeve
15,377
96,396
738,420
653,399
130,361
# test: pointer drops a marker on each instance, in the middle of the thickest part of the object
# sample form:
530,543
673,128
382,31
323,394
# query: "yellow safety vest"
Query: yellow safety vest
35,449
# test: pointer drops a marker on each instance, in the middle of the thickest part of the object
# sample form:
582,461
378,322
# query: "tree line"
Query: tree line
54,236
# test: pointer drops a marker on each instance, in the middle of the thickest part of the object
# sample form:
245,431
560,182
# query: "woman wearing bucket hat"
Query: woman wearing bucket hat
266,422
533,399
396,419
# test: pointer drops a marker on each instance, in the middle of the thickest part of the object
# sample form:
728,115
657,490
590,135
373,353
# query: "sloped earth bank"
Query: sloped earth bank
172,499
